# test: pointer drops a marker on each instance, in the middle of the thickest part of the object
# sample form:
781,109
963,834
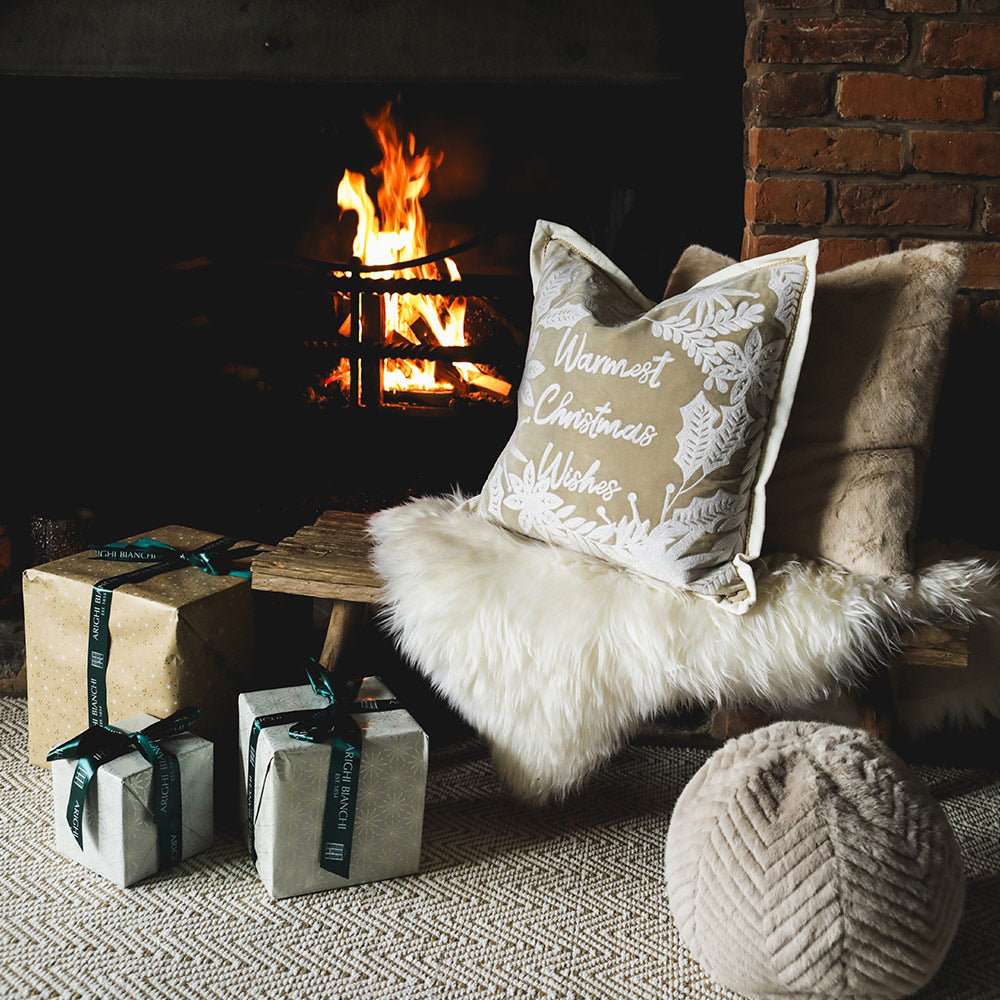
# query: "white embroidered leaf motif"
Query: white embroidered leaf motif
586,536
754,438
705,299
697,435
696,342
532,370
732,368
786,281
704,516
495,491
728,437
559,277
565,317
744,316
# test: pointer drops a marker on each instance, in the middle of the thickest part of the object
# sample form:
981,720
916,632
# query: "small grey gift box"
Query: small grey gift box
118,826
290,792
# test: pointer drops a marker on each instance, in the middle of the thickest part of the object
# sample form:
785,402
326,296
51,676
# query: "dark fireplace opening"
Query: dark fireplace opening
155,343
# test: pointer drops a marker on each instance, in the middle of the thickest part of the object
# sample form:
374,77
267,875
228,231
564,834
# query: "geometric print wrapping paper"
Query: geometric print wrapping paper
119,830
290,793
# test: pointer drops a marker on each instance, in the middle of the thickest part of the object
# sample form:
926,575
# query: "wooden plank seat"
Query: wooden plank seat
945,645
330,559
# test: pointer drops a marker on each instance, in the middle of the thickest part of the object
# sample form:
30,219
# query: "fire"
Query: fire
395,232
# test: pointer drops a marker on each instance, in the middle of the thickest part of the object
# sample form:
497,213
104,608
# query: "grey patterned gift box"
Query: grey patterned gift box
119,832
290,783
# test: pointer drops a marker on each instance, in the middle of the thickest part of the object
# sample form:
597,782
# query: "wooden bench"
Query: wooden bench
330,559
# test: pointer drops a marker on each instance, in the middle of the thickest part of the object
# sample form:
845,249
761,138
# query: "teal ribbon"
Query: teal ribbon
215,557
333,722
100,744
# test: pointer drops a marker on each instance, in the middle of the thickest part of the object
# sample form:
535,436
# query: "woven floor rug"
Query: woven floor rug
554,902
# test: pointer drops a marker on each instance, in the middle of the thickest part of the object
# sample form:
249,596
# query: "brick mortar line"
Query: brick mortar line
919,18
897,231
978,181
891,127
893,235
893,69
882,126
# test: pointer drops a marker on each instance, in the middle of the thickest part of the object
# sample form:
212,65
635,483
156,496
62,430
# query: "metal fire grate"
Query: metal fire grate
365,346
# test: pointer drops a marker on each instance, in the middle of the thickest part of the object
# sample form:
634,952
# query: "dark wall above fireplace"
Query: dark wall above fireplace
586,41
113,172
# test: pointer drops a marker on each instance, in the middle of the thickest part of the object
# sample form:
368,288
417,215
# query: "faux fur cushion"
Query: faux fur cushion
807,861
646,432
846,485
556,658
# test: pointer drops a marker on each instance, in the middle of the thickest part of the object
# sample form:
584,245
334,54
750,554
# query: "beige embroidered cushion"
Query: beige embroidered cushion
646,431
847,482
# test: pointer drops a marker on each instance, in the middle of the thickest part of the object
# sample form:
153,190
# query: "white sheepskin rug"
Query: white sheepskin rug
556,659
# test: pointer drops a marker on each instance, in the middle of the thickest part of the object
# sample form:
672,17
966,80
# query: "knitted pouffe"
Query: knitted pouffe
807,860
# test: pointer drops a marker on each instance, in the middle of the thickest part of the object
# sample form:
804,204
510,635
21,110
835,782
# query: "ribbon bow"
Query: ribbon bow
215,557
100,744
317,725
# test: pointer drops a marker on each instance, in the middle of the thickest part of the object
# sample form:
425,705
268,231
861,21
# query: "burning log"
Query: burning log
444,371
494,386
400,295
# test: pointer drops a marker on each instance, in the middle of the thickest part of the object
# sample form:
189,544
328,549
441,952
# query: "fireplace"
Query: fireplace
175,243
381,318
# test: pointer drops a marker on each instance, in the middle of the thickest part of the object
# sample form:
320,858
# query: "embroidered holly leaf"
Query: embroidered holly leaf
704,514
728,437
705,517
696,436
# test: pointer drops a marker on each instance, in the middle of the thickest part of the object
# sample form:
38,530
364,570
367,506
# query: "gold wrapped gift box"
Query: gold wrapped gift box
182,637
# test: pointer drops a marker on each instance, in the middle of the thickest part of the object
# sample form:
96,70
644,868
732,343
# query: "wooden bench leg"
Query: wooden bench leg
344,617
876,706
729,722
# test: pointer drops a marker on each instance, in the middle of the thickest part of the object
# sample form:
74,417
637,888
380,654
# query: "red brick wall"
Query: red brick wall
875,125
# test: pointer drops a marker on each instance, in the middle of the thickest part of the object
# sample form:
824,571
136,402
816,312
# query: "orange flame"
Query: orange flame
398,232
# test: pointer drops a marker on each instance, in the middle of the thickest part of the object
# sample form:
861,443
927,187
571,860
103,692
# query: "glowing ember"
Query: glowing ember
397,232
